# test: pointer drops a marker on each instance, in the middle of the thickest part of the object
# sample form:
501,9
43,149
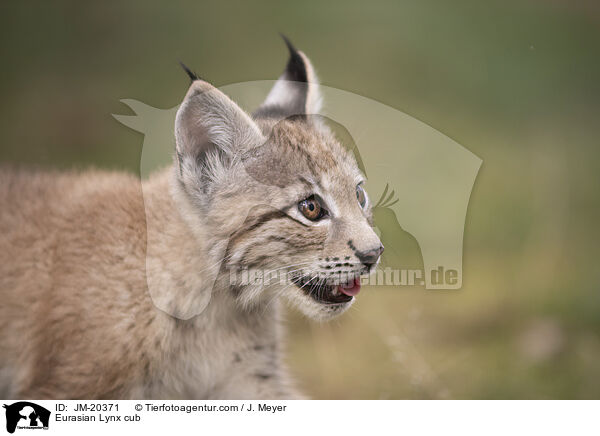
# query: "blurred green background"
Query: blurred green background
515,82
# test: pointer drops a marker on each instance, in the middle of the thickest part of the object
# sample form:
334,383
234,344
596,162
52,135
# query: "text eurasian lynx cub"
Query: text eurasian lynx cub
271,191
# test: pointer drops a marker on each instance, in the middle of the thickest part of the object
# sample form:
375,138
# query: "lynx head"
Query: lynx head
277,191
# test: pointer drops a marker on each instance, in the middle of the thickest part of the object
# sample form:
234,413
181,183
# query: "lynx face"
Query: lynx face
280,192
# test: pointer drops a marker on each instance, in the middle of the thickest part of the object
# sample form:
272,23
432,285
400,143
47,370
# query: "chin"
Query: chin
321,301
317,310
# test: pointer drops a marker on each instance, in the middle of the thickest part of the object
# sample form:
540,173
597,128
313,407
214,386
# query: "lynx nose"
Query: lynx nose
370,257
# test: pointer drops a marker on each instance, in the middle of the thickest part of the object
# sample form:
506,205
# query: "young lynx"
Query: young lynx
269,191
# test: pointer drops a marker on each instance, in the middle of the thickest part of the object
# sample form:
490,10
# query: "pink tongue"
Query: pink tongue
351,289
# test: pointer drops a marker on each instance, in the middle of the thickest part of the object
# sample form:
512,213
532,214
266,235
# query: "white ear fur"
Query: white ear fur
296,92
314,101
286,92
209,130
209,119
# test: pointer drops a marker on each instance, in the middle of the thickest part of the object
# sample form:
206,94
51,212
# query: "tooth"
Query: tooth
335,291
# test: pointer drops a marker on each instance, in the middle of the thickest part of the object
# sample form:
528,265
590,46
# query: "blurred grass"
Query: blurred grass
516,82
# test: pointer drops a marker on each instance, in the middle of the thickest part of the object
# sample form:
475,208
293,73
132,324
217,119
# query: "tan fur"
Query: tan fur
76,318
112,288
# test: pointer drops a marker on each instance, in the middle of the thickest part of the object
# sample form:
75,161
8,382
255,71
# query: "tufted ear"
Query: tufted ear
209,129
296,92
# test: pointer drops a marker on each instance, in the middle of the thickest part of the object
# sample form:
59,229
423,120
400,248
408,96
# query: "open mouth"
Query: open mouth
327,293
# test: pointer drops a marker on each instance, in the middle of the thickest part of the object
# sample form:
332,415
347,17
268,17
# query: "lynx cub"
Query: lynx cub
270,191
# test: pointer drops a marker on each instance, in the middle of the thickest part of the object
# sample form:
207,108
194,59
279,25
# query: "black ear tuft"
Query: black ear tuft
295,69
193,76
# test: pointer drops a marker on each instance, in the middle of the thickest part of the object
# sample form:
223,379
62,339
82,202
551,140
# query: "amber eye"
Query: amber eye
311,208
361,196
